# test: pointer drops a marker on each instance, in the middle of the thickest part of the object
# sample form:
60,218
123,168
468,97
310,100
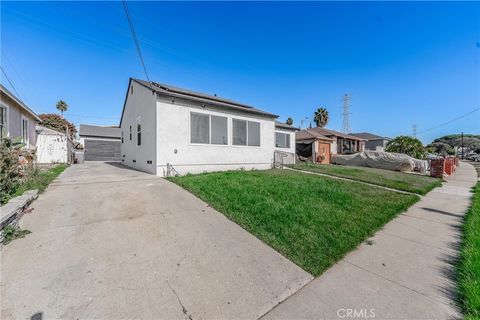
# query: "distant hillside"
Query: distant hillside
449,142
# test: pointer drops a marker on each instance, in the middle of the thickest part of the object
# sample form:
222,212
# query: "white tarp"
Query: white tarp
381,160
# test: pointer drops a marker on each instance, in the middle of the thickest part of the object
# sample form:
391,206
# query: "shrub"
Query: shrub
15,164
9,170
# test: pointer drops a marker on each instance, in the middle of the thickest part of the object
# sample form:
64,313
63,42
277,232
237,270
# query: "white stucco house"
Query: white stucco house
165,129
52,146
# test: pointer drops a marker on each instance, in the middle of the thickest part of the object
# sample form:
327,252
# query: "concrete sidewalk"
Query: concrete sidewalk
405,274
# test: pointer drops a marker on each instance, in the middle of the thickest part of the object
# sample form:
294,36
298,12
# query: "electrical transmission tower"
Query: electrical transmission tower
346,114
414,130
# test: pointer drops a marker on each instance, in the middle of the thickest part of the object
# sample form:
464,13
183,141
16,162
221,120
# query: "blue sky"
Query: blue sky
403,63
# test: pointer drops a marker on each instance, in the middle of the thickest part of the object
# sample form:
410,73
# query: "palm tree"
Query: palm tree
321,117
289,121
62,106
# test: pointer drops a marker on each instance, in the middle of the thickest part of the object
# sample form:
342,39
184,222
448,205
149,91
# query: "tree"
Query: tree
289,121
58,123
62,106
408,145
321,117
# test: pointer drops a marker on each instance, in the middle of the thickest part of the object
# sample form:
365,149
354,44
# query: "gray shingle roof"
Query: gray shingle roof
168,90
99,131
369,136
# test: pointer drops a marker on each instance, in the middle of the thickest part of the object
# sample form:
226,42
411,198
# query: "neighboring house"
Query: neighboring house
284,143
373,142
312,144
342,143
53,146
100,143
166,129
17,120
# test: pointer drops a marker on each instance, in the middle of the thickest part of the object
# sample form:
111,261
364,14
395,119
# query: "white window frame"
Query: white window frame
139,121
26,141
210,115
7,122
286,135
246,132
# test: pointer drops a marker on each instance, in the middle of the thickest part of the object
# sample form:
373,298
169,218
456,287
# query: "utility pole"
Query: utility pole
414,130
462,145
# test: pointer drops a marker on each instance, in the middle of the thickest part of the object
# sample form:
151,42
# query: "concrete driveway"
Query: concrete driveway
109,242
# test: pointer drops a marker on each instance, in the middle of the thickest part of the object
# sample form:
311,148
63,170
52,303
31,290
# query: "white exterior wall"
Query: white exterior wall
334,147
292,140
291,150
140,103
174,147
52,148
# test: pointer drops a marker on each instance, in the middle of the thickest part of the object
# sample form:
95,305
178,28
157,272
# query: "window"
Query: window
208,129
239,132
219,130
139,131
122,136
246,133
282,140
3,123
254,134
25,131
199,128
131,89
130,133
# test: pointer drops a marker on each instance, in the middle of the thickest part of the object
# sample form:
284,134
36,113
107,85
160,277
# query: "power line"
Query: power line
448,122
135,39
11,84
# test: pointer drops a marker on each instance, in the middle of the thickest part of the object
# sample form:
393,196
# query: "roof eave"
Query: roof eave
20,103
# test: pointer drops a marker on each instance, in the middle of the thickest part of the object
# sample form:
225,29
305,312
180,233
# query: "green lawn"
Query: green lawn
392,179
469,265
313,221
39,179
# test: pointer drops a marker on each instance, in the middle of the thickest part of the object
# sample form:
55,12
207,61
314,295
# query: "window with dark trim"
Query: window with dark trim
3,122
139,131
130,133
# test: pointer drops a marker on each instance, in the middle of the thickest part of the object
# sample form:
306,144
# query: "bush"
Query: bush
15,164
9,170
408,145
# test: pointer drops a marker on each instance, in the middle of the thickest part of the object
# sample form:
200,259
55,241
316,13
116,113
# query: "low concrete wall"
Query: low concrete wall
11,212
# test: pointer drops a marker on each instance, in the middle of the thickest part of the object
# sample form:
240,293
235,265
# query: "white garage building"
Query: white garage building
52,146
166,130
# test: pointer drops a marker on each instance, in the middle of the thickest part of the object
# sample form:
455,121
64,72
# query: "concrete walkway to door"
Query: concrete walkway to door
405,274
109,242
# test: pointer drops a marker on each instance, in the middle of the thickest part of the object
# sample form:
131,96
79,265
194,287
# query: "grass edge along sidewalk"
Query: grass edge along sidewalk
468,269
313,221
413,183
38,179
